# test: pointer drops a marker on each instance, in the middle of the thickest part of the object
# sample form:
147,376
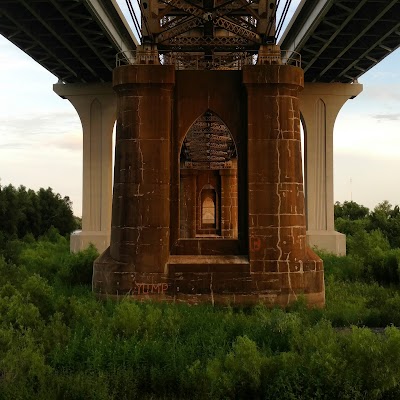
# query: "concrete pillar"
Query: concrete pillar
96,105
229,202
320,104
187,214
281,264
140,229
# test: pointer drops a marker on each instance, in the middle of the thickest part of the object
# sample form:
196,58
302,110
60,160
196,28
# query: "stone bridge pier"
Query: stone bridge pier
233,230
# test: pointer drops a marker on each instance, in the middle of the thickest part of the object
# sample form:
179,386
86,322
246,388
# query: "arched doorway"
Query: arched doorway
208,180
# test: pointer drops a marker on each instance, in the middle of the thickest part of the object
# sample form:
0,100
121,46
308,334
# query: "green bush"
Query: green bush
127,319
349,268
238,374
78,267
37,291
385,269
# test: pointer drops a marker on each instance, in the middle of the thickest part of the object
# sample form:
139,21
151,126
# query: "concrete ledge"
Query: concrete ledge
330,241
81,240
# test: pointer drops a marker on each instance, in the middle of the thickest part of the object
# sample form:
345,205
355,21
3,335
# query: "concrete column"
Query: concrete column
96,105
229,203
320,104
188,191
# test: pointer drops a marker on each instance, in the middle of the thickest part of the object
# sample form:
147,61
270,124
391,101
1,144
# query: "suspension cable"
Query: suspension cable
134,19
272,21
282,18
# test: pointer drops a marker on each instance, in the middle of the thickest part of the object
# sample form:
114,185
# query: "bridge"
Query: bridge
191,49
341,40
75,40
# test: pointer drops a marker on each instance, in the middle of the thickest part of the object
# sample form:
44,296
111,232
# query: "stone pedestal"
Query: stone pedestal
281,265
140,227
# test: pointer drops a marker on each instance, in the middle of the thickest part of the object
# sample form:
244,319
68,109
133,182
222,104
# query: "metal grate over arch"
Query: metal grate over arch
208,144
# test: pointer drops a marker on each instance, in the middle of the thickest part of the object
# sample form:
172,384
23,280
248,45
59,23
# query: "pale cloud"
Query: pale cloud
386,92
366,180
38,123
11,146
7,57
367,136
72,142
384,75
390,117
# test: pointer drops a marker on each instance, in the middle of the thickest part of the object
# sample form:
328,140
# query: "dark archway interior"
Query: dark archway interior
208,180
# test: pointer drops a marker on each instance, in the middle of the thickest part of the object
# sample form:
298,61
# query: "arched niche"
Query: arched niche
208,207
208,174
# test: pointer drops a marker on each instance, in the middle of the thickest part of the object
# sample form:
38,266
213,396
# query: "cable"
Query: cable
134,18
282,18
144,18
272,20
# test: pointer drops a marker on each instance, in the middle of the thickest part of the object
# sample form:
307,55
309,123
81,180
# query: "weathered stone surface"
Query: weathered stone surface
160,248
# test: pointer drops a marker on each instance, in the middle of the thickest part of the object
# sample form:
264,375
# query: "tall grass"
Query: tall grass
58,342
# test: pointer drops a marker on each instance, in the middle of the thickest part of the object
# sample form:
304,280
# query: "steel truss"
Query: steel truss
208,144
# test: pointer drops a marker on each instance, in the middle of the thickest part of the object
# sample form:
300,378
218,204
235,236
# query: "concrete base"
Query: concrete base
80,240
223,279
330,241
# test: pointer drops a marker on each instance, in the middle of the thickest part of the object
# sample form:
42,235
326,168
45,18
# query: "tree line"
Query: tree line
26,212
351,218
373,242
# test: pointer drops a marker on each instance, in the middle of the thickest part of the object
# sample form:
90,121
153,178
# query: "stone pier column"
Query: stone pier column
96,105
229,203
140,230
320,104
281,264
187,215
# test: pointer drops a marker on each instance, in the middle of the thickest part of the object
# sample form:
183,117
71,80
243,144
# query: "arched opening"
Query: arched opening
208,180
208,208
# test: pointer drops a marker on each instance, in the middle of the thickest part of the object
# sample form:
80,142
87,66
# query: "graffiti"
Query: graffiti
255,244
150,288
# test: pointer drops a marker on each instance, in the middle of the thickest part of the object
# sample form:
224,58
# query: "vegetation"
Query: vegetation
24,212
373,241
58,342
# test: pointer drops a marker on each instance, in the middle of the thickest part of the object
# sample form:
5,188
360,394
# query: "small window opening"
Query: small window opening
208,211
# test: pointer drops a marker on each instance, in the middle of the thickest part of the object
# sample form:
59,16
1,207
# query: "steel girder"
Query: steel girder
73,39
340,40
208,25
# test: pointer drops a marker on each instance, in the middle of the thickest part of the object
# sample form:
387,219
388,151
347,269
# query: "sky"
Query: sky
41,134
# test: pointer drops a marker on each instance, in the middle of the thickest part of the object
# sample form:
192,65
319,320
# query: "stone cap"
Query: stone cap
273,74
144,74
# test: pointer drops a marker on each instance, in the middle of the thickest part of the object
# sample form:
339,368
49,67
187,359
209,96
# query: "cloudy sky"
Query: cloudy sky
41,135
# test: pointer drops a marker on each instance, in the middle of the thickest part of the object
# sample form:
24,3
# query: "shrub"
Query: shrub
40,293
127,318
238,374
346,268
77,268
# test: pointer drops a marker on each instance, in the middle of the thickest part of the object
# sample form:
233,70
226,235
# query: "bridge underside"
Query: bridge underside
74,40
341,40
